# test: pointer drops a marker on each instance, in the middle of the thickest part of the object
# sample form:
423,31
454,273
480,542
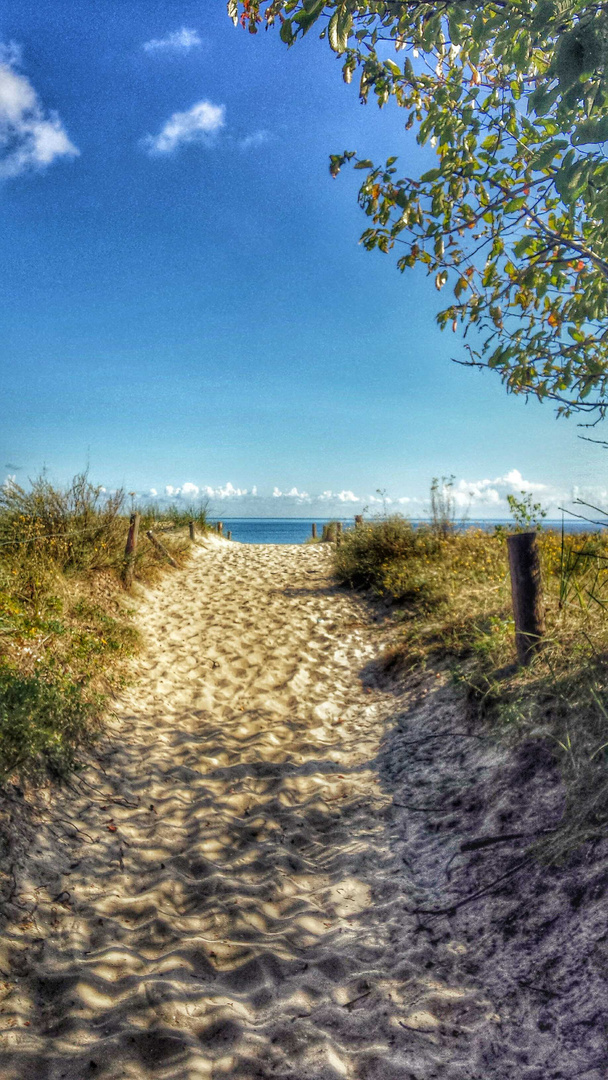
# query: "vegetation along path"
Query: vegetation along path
234,886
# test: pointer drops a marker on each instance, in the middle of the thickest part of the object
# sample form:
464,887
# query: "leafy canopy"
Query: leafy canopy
513,219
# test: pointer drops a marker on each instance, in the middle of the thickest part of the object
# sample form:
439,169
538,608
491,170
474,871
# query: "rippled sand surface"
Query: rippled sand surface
226,891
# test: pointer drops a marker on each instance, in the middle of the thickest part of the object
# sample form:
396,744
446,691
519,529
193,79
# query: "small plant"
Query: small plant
526,514
443,505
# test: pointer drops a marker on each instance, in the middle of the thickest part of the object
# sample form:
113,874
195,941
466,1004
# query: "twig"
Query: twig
472,896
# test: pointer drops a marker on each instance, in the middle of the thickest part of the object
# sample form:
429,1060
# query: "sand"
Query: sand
249,878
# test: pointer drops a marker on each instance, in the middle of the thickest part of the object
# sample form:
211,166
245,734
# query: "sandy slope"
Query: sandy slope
227,892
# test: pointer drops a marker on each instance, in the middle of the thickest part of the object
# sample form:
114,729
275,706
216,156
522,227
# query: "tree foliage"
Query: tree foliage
513,219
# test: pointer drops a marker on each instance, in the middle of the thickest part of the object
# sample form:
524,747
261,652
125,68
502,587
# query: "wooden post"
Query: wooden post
130,549
526,591
159,547
229,534
338,528
358,519
325,533
219,527
314,531
191,528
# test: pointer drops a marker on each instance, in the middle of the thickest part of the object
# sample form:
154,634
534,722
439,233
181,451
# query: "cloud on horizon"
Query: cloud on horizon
179,41
493,493
486,497
31,137
198,124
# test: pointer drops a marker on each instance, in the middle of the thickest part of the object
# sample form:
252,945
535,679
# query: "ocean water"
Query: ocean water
297,530
274,530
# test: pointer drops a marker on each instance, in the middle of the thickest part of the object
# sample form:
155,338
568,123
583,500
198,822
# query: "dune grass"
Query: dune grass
65,618
449,597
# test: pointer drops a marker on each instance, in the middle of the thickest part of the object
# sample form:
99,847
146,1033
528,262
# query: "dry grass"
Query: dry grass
65,619
451,604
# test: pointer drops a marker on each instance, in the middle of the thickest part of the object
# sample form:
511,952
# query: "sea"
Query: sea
298,530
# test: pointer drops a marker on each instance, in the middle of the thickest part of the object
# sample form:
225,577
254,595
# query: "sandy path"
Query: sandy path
213,917
225,893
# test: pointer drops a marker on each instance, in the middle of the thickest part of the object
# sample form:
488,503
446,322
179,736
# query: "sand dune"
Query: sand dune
225,891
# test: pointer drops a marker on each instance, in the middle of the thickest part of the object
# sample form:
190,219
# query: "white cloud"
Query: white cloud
515,478
191,491
197,125
179,41
256,138
30,136
153,492
347,496
293,493
493,492
228,492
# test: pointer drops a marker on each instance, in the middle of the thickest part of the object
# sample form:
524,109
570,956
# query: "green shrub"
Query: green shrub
44,720
370,553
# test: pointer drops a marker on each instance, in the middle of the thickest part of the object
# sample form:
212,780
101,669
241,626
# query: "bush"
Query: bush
371,552
44,720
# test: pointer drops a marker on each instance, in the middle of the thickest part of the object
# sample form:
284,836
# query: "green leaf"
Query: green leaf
339,29
543,157
286,32
591,131
309,14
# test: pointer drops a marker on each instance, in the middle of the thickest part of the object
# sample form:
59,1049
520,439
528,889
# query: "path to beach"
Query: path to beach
220,895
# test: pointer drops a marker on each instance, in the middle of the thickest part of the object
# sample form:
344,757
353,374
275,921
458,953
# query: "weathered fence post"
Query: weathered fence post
160,547
130,549
358,519
219,527
314,531
229,535
526,591
191,528
338,528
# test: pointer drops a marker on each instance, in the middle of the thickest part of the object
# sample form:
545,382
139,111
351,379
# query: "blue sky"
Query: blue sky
184,300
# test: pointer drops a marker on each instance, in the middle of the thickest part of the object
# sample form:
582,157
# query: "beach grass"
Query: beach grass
65,619
447,592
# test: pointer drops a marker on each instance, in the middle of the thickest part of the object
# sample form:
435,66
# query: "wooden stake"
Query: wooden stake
358,519
130,549
526,591
229,534
314,531
159,547
191,528
219,527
